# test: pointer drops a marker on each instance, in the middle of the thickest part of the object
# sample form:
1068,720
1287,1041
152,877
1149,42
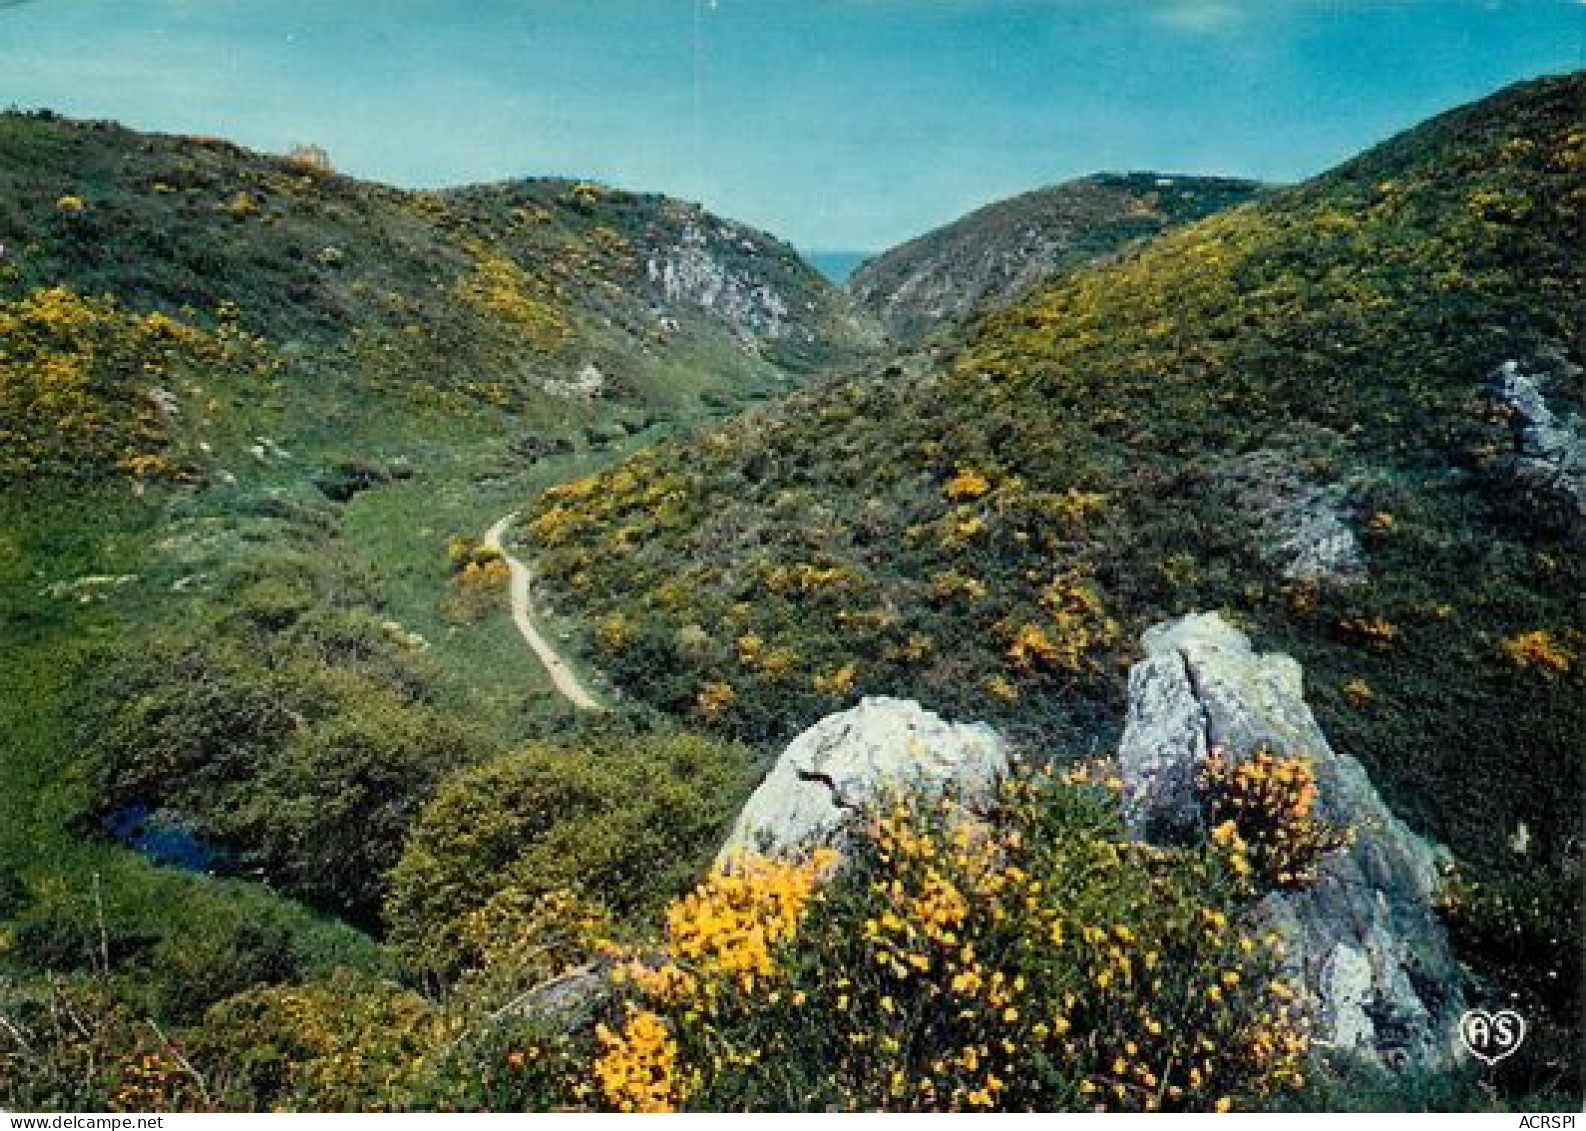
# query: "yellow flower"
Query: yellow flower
638,1069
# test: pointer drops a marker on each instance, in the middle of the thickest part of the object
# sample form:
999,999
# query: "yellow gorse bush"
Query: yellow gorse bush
1262,811
496,286
727,929
1024,957
966,484
77,378
638,1068
1540,650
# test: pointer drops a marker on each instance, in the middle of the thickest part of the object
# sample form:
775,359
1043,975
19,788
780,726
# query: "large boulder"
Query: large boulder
1549,449
1364,939
880,747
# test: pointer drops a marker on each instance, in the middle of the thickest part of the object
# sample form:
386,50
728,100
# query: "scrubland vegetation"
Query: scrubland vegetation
256,415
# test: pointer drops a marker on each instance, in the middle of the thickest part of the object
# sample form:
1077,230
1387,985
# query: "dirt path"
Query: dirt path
560,671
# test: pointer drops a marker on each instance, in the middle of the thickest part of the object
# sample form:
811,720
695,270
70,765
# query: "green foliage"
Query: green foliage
1521,931
67,1045
240,940
508,1066
295,731
624,821
988,536
344,1044
176,940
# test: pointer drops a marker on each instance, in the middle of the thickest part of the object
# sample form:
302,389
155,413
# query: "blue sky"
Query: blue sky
837,124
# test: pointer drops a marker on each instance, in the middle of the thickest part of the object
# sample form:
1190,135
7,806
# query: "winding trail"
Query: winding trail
556,667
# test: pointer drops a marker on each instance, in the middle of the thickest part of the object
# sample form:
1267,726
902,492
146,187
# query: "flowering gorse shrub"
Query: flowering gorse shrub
1026,957
638,1069
1541,650
1262,812
498,287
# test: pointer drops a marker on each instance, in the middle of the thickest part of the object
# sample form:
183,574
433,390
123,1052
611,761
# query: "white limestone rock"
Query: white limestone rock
847,759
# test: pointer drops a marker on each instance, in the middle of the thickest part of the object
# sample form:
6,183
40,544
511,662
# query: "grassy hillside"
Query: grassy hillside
254,416
992,535
994,256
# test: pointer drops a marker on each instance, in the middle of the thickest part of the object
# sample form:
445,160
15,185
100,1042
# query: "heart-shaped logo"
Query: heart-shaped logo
1491,1036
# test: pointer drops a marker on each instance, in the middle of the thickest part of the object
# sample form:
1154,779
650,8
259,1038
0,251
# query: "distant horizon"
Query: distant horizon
841,126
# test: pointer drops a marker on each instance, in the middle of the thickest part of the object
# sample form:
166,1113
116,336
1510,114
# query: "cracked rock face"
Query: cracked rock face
1364,938
694,272
1549,450
847,759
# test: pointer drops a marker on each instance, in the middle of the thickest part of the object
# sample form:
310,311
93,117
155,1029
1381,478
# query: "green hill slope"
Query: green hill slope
1169,433
990,258
544,297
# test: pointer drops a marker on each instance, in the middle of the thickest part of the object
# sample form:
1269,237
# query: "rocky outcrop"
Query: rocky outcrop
1364,938
589,384
700,270
847,759
1549,452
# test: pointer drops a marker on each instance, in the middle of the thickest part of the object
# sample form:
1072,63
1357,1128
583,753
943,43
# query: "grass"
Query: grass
405,527
78,883
989,531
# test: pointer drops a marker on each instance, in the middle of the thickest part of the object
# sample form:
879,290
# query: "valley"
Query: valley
452,567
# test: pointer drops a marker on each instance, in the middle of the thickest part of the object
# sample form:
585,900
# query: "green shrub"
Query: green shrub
67,1045
304,752
626,823
349,1043
510,1065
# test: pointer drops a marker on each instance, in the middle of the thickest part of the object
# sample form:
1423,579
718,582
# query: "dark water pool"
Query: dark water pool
163,839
